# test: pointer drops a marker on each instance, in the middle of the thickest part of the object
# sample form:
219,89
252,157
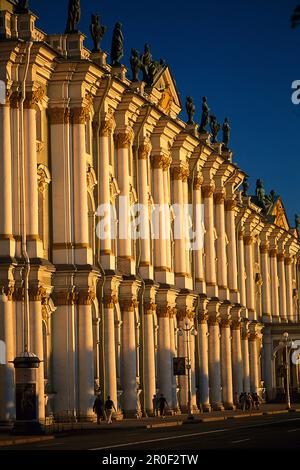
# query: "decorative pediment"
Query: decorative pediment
165,93
279,214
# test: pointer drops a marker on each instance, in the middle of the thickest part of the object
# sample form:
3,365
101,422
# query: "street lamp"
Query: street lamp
287,345
187,331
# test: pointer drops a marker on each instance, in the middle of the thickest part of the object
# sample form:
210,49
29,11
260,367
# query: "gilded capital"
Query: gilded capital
59,115
80,115
125,139
144,151
33,98
208,189
230,204
106,127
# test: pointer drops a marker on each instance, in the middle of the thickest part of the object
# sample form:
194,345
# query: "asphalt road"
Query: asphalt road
268,432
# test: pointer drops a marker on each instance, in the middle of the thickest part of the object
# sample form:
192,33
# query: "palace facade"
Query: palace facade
104,313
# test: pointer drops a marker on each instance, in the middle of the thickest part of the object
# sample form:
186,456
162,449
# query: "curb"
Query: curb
164,425
25,440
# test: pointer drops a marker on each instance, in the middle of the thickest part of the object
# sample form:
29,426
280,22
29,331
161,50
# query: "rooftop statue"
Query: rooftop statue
97,32
205,115
190,109
260,191
215,128
246,187
135,65
22,6
297,221
150,67
226,133
74,15
117,46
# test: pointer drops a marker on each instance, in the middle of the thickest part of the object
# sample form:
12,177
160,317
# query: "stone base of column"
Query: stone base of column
218,406
132,414
205,408
118,416
86,418
267,318
67,416
276,319
27,428
229,406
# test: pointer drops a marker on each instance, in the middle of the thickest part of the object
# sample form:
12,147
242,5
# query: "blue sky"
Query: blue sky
241,54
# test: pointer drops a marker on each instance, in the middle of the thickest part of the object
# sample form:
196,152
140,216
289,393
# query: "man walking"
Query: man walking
155,405
162,404
98,408
109,407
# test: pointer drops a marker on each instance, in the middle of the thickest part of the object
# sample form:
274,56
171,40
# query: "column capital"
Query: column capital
288,260
219,197
125,139
161,160
15,99
248,240
202,318
280,257
110,300
59,115
37,293
273,253
166,312
106,127
264,249
150,308
184,313
86,296
180,172
230,204
65,297
33,98
80,114
208,189
144,150
198,181
129,305
8,290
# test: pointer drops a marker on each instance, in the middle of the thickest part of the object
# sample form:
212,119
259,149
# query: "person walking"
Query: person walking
162,405
155,405
98,408
109,407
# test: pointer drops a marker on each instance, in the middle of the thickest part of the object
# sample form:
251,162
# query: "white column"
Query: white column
129,365
143,154
7,373
149,357
174,403
182,379
282,288
104,190
289,289
123,145
237,360
193,372
85,356
31,172
160,255
268,363
241,277
214,355
254,365
166,186
266,295
221,245
164,355
274,285
209,240
110,350
199,229
203,362
230,205
226,358
36,344
64,358
250,291
180,261
6,181
246,363
82,255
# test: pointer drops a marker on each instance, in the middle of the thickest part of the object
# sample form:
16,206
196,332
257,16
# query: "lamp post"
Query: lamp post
286,345
187,331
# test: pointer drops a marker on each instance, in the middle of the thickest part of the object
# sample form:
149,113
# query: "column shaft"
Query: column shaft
237,362
149,360
227,387
36,346
86,361
215,365
110,352
129,364
7,373
203,365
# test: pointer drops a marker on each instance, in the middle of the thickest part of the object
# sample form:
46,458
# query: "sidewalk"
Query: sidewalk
6,439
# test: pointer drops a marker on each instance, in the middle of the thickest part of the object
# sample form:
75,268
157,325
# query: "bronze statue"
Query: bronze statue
146,61
74,15
135,65
22,7
260,191
117,46
205,115
215,128
190,109
226,134
246,187
297,221
295,19
97,32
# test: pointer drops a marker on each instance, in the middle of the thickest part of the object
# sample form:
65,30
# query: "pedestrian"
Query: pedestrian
243,401
256,400
162,405
249,402
155,405
109,407
98,408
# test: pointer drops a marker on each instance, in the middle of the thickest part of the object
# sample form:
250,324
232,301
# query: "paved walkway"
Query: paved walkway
6,439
